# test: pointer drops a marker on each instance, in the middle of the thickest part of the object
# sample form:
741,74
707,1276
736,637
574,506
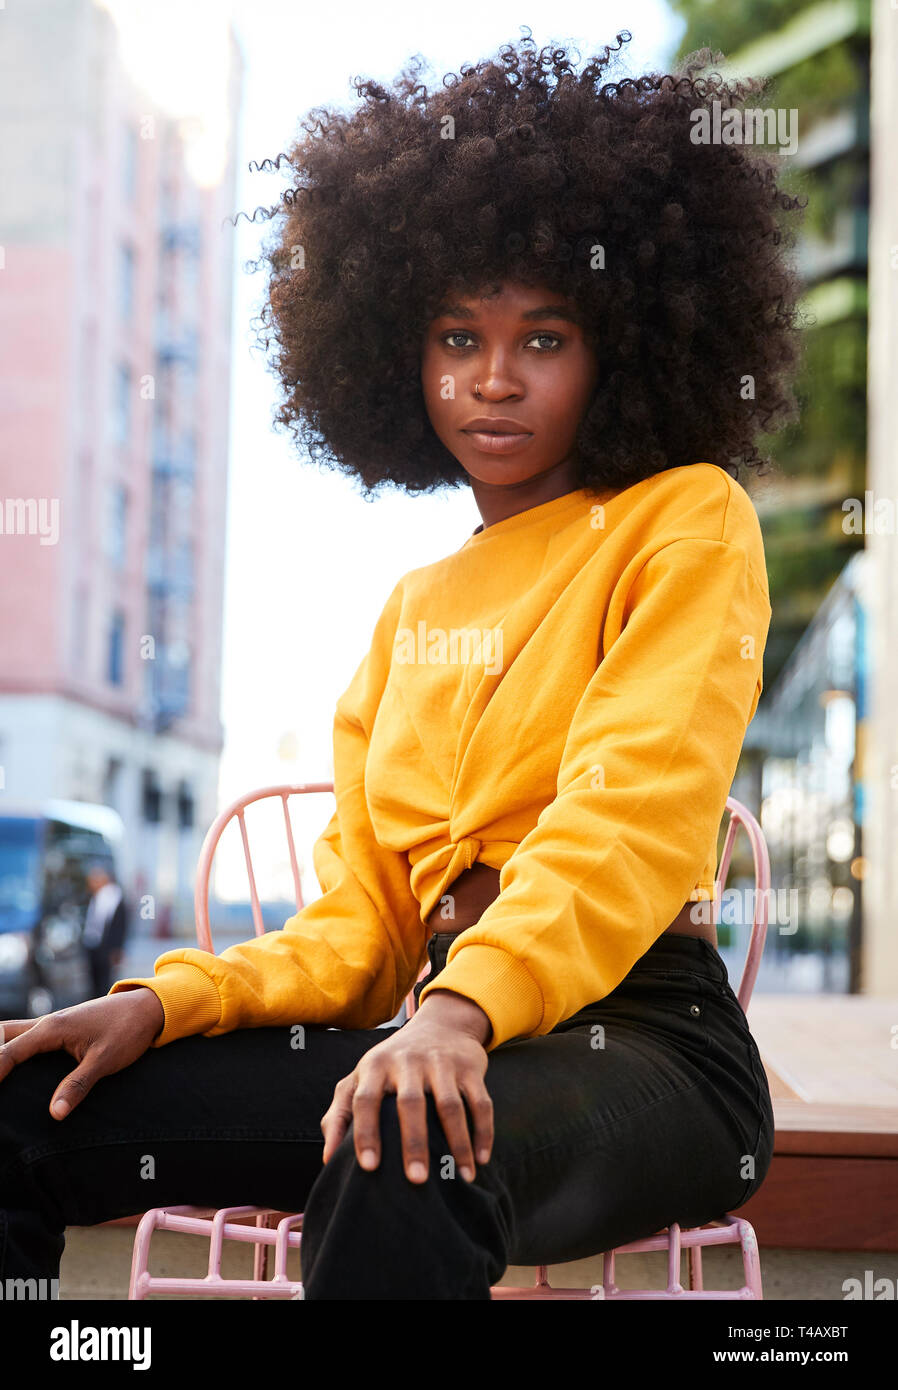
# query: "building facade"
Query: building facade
115,326
823,746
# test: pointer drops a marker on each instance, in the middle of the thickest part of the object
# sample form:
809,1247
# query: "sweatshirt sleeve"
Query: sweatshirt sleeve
645,772
347,959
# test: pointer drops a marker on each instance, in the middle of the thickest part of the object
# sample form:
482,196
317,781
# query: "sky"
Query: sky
310,563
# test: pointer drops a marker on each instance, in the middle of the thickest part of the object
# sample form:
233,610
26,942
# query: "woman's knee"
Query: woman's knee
25,1096
433,1238
344,1175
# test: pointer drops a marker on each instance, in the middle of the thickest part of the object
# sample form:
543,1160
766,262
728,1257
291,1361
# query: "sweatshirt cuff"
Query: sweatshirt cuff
189,998
502,986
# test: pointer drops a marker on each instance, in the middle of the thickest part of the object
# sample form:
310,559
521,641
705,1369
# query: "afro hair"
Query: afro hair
522,169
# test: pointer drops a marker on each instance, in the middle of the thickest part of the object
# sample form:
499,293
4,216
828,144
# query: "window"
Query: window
80,607
68,851
111,782
121,404
126,282
185,806
182,566
115,532
129,161
151,797
86,402
115,665
20,865
177,677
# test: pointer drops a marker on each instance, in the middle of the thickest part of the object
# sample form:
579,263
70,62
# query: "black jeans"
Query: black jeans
648,1107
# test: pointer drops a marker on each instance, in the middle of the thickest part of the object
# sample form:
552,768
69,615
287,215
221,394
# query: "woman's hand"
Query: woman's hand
103,1035
441,1050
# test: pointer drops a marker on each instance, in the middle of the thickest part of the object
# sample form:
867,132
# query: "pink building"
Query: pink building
115,309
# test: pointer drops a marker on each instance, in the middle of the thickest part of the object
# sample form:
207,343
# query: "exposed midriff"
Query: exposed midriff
477,887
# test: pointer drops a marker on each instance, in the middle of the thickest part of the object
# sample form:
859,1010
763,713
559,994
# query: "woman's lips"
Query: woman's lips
497,443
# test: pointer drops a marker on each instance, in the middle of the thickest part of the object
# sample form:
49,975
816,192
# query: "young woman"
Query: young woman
543,288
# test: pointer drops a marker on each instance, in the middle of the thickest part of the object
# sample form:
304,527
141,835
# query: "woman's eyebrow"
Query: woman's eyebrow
545,311
553,311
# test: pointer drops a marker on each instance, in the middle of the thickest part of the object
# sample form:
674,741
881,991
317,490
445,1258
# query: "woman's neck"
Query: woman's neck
498,501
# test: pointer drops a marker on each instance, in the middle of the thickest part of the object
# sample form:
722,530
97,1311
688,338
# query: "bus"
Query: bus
45,854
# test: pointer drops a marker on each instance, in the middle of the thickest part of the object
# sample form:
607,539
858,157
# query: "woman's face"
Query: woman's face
518,361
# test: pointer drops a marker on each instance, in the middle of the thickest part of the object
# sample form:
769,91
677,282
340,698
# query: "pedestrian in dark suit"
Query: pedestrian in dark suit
105,928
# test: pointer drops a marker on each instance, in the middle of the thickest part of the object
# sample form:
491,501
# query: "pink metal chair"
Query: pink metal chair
265,1228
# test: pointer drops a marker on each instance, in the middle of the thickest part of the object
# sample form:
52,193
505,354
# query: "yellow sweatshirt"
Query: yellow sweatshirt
564,698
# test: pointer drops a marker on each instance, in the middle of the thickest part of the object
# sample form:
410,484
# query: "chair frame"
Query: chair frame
266,1228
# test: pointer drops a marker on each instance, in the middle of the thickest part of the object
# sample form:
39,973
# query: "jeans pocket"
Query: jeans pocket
670,1002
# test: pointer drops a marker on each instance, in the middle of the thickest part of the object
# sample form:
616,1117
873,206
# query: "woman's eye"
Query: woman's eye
554,340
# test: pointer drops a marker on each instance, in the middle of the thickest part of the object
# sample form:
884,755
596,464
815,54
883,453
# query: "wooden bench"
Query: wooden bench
832,1064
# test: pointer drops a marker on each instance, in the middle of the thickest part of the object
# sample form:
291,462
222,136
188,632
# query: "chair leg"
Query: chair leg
751,1260
260,1254
140,1255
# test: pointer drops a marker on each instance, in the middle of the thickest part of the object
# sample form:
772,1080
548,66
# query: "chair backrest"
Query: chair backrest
210,845
739,815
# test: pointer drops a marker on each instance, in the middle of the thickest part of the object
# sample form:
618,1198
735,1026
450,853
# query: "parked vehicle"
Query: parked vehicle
45,854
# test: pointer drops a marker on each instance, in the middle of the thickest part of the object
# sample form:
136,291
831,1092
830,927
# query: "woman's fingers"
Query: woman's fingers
473,1088
48,1035
24,1037
73,1088
52,1034
410,1074
451,1110
411,1104
335,1121
366,1117
12,1027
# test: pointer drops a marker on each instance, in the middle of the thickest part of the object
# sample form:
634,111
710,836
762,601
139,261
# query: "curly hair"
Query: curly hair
522,169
